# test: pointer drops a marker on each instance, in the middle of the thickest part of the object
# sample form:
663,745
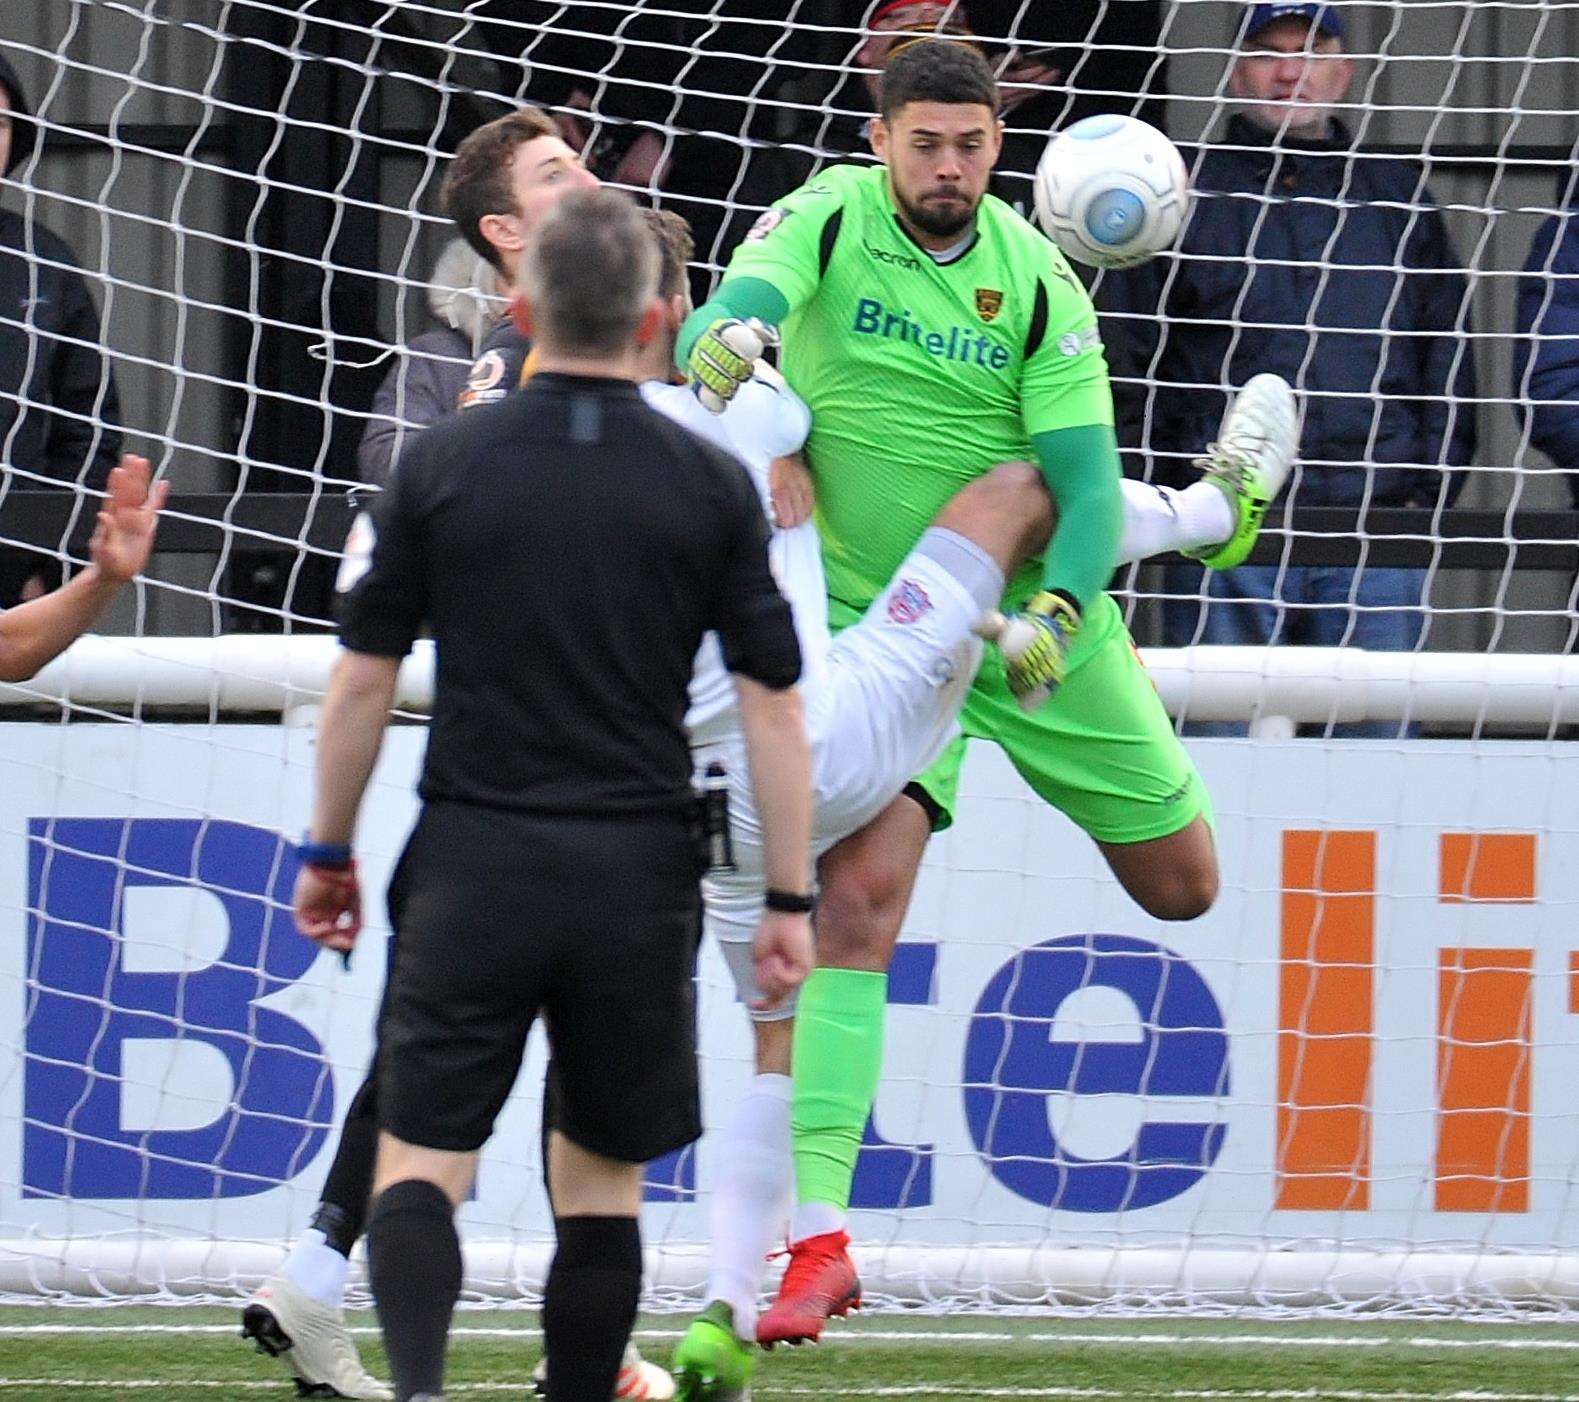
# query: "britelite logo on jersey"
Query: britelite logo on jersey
961,344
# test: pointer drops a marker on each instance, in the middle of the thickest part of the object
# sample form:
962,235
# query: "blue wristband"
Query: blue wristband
332,856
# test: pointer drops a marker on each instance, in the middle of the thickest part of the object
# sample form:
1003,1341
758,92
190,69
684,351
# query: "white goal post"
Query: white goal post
1268,689
1347,1089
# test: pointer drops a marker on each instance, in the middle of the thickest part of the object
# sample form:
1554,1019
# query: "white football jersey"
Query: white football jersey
765,420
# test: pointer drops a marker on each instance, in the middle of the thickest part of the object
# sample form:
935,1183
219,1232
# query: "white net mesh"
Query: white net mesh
1345,1087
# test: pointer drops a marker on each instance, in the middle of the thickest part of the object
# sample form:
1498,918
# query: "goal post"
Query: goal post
1346,1089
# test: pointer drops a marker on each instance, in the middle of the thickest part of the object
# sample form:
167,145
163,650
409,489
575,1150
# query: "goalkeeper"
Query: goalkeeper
935,334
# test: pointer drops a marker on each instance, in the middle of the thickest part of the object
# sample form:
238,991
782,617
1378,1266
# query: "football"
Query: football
1111,191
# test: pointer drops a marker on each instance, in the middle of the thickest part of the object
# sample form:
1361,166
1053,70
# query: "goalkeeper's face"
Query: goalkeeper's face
939,157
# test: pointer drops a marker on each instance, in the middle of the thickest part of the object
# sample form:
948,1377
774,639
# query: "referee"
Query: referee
568,548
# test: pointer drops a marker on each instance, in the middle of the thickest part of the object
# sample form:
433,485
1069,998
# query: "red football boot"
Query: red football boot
820,1282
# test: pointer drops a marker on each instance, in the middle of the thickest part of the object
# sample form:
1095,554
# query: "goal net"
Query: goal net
1347,1087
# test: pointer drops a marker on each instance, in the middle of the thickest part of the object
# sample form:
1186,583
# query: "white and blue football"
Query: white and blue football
1112,191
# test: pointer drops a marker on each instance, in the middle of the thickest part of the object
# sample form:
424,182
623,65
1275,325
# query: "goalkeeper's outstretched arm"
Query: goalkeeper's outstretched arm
38,631
1081,469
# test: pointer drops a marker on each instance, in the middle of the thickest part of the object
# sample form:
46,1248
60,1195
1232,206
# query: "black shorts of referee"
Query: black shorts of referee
590,922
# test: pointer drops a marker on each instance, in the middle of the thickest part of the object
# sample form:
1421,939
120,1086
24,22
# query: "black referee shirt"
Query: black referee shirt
567,547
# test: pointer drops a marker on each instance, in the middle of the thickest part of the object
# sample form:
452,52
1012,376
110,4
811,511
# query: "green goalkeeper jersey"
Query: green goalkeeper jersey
920,376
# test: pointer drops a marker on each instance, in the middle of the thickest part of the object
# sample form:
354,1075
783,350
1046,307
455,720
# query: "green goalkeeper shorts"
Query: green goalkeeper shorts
1102,750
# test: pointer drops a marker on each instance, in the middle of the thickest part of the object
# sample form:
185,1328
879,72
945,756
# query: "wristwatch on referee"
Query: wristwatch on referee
789,902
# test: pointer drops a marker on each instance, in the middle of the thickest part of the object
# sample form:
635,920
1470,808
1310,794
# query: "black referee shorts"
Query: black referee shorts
591,921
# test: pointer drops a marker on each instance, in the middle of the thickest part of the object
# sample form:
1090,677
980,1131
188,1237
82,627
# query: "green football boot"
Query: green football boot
712,1363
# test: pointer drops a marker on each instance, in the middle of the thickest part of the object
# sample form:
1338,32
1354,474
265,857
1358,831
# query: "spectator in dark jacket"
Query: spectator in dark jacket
1332,268
467,296
1546,354
57,400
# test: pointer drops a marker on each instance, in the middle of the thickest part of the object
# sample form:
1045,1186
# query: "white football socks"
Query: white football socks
751,1197
317,1269
1160,519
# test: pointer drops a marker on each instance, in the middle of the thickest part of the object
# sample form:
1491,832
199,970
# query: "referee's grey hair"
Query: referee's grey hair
589,272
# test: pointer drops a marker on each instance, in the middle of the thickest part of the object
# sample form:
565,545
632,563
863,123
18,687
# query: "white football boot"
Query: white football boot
310,1339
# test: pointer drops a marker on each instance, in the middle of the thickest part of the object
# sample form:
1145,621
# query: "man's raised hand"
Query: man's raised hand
124,536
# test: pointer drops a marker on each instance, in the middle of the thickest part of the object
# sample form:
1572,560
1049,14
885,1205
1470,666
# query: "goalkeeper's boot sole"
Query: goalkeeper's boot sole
637,1378
1250,462
310,1339
821,1282
712,1362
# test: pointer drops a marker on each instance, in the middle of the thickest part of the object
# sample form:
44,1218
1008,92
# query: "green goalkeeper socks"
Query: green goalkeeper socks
838,1059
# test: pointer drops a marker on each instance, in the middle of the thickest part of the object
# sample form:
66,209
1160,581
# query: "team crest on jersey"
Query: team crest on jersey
769,221
989,302
908,602
486,373
484,381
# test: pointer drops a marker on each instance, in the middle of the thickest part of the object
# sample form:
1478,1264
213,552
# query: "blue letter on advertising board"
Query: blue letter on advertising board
85,1006
1012,1066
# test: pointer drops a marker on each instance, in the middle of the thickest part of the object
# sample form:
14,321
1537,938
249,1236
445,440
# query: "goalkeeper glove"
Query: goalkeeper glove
723,358
1035,645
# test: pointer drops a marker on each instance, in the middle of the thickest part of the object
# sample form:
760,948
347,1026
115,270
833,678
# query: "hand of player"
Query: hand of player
783,955
1035,645
124,536
723,358
328,906
789,483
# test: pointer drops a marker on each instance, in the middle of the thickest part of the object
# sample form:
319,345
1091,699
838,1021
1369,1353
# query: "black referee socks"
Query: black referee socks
589,1305
414,1264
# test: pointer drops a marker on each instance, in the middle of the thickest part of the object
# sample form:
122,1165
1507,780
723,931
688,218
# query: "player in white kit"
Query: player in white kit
881,698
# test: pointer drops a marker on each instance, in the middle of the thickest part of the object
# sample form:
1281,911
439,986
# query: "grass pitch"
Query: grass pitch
196,1355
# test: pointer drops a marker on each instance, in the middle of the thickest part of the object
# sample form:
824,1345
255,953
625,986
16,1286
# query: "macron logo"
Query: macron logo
895,260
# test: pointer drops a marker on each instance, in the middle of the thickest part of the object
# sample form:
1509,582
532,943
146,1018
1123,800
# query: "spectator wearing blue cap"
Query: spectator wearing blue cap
1331,267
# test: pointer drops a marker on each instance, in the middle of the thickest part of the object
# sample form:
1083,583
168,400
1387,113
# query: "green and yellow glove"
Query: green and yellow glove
724,357
1035,644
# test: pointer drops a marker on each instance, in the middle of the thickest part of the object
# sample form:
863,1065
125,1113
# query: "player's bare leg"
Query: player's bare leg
1170,878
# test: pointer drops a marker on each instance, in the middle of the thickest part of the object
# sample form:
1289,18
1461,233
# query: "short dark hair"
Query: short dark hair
675,248
589,272
478,180
936,70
